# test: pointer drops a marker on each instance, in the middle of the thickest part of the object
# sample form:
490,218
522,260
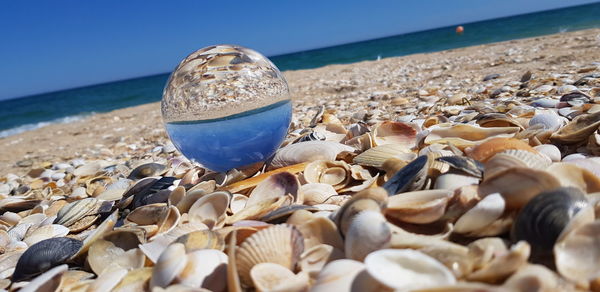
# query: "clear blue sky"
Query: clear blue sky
52,45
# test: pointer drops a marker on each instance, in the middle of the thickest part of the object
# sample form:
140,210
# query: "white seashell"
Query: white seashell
397,133
551,151
48,281
315,258
275,186
307,152
577,255
550,122
533,278
368,232
488,210
88,169
591,164
545,103
159,243
170,263
376,156
115,191
109,279
566,89
210,209
419,206
407,269
543,89
206,268
318,193
335,173
503,265
452,181
45,232
463,135
274,277
339,275
238,202
574,156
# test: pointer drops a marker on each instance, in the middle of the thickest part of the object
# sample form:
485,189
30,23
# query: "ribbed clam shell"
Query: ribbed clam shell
515,158
44,255
545,216
72,213
486,150
376,156
550,122
280,244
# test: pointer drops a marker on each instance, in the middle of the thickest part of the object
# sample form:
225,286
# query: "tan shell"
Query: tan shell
368,232
275,277
103,253
80,214
159,243
514,158
259,209
397,133
246,184
108,279
488,210
419,206
320,230
45,232
97,233
504,265
464,135
335,173
320,193
210,209
202,239
454,257
315,258
579,129
170,263
275,186
280,244
571,175
369,199
376,156
491,147
205,268
338,275
49,280
518,185
534,278
577,255
135,280
307,152
482,251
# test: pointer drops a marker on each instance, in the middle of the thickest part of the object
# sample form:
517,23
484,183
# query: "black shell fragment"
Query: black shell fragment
409,178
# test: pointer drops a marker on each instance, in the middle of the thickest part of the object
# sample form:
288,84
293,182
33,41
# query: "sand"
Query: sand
384,89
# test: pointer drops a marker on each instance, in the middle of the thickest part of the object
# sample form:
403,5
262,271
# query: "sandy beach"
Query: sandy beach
379,86
474,169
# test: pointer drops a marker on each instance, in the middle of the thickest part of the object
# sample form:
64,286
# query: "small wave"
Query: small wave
33,126
563,29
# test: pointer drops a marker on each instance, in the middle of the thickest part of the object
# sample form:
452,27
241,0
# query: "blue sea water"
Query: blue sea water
233,141
26,113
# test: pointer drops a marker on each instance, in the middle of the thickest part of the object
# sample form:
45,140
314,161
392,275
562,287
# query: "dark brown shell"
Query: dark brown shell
411,177
147,170
545,216
45,255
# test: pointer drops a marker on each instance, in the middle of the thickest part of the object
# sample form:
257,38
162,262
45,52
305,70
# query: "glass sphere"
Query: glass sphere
226,107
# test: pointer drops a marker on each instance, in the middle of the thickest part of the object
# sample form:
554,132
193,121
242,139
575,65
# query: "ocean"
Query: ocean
27,113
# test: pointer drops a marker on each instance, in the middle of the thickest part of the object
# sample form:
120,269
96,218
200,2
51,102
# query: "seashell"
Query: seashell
170,264
464,135
335,173
205,268
210,209
147,170
593,144
577,254
45,232
368,232
202,239
159,243
486,150
238,202
318,193
548,121
545,102
397,133
148,214
277,185
15,204
547,215
491,120
254,181
514,158
488,210
571,175
48,281
550,151
88,169
453,180
253,250
109,279
338,275
96,185
307,152
502,266
114,191
518,185
81,214
410,178
315,258
465,164
376,156
320,230
281,214
482,251
579,129
370,199
274,277
43,256
454,257
407,269
533,278
259,209
419,207
8,261
103,254
134,280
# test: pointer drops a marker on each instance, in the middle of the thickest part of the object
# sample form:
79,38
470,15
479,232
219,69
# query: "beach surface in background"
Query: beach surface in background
23,114
364,88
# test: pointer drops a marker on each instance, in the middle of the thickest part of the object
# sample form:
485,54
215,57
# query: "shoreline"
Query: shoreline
340,86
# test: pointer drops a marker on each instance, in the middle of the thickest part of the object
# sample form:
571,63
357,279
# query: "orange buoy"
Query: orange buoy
460,29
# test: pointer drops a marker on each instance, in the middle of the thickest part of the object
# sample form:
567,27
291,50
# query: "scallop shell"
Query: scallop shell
274,277
546,216
579,129
486,150
407,269
279,244
418,207
376,156
334,173
44,255
397,133
81,214
518,185
307,152
275,186
368,232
